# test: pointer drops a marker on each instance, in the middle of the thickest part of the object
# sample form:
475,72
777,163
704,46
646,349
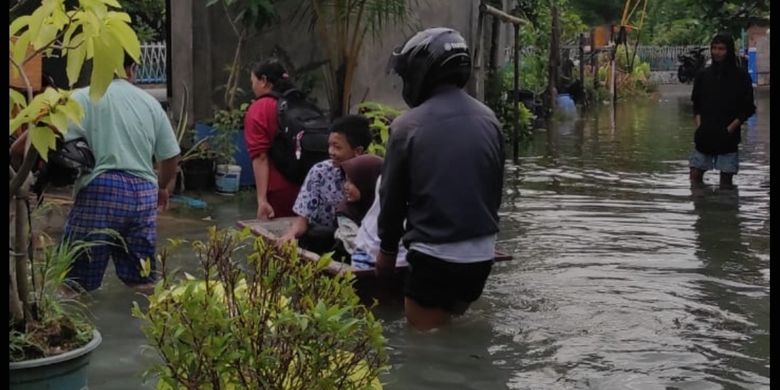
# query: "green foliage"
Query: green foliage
92,30
630,82
246,18
276,322
148,19
41,321
535,39
694,22
341,28
61,324
227,123
380,117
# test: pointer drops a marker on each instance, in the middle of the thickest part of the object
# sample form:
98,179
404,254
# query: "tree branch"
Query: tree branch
24,170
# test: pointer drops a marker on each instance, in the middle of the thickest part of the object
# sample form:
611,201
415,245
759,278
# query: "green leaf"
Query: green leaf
59,120
112,3
67,38
18,24
123,16
75,62
19,48
16,98
73,110
126,37
108,58
46,35
43,139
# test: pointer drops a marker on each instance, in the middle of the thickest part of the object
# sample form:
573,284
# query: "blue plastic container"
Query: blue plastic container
566,104
242,156
753,65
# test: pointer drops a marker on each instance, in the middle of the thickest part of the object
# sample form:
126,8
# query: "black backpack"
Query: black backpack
302,138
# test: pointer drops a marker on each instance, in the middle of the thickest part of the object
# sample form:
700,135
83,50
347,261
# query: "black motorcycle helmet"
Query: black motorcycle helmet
431,57
65,164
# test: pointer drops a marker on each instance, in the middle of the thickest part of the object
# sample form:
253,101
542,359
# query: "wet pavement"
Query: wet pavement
623,276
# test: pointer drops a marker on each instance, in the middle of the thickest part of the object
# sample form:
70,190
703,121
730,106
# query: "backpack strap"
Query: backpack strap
272,94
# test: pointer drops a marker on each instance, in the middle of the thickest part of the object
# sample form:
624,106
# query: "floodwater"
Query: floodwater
623,277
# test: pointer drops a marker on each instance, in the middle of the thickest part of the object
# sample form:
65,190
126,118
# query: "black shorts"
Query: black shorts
432,282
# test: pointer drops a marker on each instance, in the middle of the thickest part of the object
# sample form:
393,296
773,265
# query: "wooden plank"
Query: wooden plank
273,229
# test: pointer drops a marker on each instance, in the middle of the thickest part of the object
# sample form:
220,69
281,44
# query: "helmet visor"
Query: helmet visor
394,61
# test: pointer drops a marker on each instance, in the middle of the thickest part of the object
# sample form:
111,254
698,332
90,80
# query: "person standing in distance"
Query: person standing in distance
722,101
443,174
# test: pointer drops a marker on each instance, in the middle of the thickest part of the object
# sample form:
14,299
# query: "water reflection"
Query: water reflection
623,276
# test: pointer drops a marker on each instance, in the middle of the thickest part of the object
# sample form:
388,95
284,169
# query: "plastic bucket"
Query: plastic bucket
228,178
242,155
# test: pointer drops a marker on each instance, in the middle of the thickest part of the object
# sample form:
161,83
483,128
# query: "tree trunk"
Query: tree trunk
20,251
232,83
553,63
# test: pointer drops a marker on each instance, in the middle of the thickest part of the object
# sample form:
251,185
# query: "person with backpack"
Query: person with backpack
275,193
323,188
442,181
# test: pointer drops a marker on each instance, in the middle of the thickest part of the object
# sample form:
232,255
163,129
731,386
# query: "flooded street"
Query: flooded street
623,277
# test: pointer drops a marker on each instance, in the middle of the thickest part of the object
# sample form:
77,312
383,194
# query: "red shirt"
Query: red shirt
260,125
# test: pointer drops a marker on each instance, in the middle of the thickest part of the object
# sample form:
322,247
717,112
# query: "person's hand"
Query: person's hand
264,210
162,199
730,129
385,265
284,239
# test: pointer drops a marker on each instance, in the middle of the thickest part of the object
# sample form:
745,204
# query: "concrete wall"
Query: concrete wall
758,37
203,45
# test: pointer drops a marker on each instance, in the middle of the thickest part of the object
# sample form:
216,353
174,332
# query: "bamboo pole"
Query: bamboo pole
515,102
478,57
505,17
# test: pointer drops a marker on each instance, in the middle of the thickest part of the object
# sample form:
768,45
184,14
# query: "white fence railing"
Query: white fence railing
660,58
153,60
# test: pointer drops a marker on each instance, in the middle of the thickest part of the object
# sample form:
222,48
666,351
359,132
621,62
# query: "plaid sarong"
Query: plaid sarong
122,202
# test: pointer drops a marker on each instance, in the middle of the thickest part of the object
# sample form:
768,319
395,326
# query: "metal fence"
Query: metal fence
153,59
660,58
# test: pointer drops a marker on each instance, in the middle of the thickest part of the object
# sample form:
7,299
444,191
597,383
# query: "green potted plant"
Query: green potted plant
261,317
223,146
46,335
196,162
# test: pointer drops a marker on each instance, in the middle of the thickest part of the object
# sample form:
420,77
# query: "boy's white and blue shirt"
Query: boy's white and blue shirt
321,193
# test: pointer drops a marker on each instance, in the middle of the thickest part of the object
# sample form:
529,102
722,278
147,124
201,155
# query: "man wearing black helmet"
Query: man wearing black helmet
443,176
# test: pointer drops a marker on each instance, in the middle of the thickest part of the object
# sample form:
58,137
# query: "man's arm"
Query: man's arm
165,178
393,198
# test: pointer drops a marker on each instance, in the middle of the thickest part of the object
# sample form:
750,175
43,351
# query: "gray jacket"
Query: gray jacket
443,172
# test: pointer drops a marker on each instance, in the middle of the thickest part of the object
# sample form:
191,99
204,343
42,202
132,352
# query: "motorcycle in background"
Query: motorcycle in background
690,64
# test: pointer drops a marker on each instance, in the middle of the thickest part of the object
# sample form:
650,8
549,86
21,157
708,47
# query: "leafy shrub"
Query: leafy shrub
380,116
276,322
